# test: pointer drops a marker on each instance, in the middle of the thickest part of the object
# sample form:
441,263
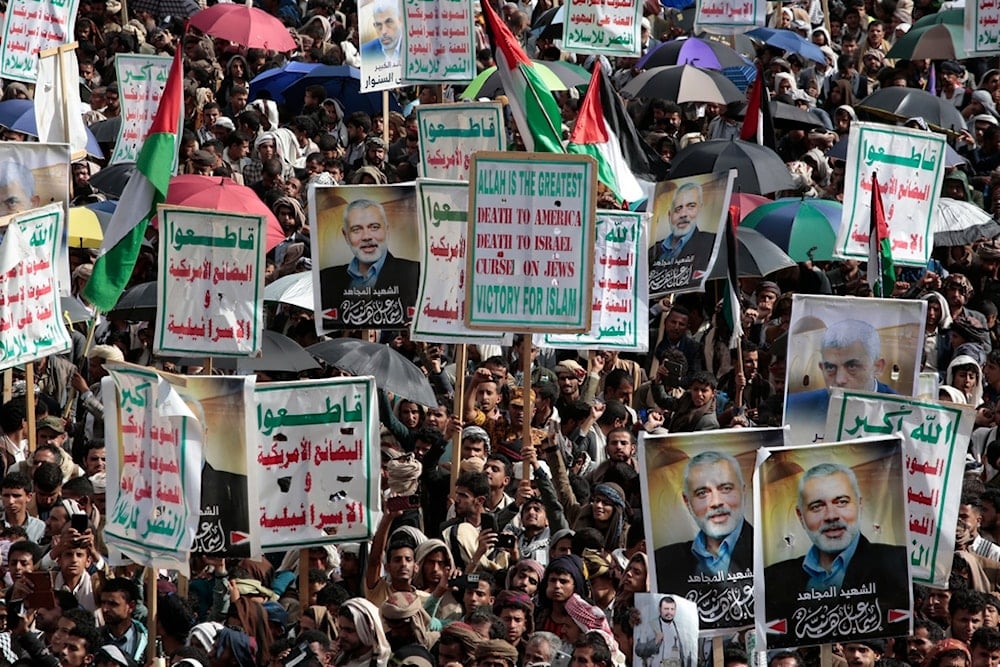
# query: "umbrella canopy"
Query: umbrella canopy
295,290
19,116
790,117
277,353
683,83
759,170
332,350
788,41
244,25
275,80
391,370
342,83
84,228
73,310
746,203
550,23
104,210
216,193
898,104
178,9
951,156
705,53
757,257
112,179
938,42
106,131
136,303
806,229
555,75
959,222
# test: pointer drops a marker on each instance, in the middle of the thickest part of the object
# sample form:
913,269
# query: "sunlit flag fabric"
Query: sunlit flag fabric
881,270
146,188
757,125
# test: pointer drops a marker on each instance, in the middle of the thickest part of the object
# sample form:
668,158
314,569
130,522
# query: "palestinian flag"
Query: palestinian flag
881,271
757,124
731,310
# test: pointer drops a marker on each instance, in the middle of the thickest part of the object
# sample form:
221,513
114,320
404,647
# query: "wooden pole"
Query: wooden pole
718,652
303,578
826,655
458,405
8,384
29,400
385,121
151,595
528,403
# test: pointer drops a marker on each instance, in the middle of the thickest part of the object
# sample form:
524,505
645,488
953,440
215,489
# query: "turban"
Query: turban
369,627
464,634
989,250
497,648
403,475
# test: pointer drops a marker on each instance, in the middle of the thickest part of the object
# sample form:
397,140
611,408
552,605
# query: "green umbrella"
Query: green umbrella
556,76
806,229
938,36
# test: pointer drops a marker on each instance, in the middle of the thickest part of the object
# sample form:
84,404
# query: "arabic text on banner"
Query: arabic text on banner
620,288
817,503
31,26
982,28
531,267
317,480
440,313
726,17
154,468
380,25
935,439
602,26
210,283
141,80
438,41
910,168
450,133
670,466
31,323
892,329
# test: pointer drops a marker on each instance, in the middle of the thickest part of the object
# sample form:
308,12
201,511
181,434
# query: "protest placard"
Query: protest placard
910,168
935,439
31,323
689,215
31,26
531,267
603,26
55,96
317,479
620,288
817,504
697,485
438,41
380,26
849,342
728,17
141,80
665,632
981,28
210,286
440,313
450,133
365,256
153,465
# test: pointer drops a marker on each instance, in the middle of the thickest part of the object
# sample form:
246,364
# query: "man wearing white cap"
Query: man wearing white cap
90,395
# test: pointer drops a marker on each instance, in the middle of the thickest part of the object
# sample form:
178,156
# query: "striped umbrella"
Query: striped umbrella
804,228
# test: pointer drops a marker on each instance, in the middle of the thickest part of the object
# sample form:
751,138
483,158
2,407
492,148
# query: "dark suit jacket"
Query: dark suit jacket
700,244
396,272
372,49
817,401
675,562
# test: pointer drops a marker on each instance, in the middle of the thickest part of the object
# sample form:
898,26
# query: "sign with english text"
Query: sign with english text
316,479
935,439
603,26
450,133
31,26
728,17
620,292
438,41
141,80
830,552
209,286
910,167
532,216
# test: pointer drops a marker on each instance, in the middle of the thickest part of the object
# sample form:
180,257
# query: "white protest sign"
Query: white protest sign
981,28
727,17
621,288
450,133
210,287
439,41
31,26
603,26
531,266
910,168
141,80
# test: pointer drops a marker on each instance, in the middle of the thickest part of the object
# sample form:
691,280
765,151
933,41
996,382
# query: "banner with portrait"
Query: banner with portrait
365,255
689,218
830,549
849,342
380,35
698,486
665,631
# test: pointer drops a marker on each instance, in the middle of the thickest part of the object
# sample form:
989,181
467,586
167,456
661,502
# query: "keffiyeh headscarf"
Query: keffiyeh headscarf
368,623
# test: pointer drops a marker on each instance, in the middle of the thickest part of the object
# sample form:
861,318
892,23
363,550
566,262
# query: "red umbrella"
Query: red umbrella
244,25
218,193
747,202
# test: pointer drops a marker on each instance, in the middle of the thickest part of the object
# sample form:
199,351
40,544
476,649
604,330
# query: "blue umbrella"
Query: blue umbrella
19,116
342,83
788,41
274,81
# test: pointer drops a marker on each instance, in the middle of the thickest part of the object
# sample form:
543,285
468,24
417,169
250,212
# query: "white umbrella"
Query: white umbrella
958,222
295,289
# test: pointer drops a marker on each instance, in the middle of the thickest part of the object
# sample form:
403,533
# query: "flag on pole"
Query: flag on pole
146,188
731,309
592,135
757,124
881,271
531,103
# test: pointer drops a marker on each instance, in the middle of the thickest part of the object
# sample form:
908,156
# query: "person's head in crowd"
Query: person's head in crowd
496,652
457,644
69,619
517,611
618,386
542,648
48,452
864,653
47,478
118,600
82,490
434,564
966,610
591,650
499,471
59,516
784,658
358,125
79,647
675,326
400,560
525,577
563,577
471,492
620,445
22,557
949,652
926,634
478,590
174,617
985,647
405,620
486,624
17,491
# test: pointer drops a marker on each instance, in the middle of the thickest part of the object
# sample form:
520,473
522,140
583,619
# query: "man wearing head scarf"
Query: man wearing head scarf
434,567
407,622
458,644
517,612
496,653
562,579
90,394
360,635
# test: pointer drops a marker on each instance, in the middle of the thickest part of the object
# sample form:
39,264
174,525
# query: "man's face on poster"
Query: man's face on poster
668,610
850,367
14,199
684,210
829,511
714,496
387,27
366,232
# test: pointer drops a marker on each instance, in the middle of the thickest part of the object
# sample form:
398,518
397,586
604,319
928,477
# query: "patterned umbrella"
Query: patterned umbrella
804,228
705,53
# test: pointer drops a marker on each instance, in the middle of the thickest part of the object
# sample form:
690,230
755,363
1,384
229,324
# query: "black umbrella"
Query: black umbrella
790,117
391,370
897,103
111,180
178,9
73,310
759,170
106,131
683,83
137,303
758,256
277,353
331,351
